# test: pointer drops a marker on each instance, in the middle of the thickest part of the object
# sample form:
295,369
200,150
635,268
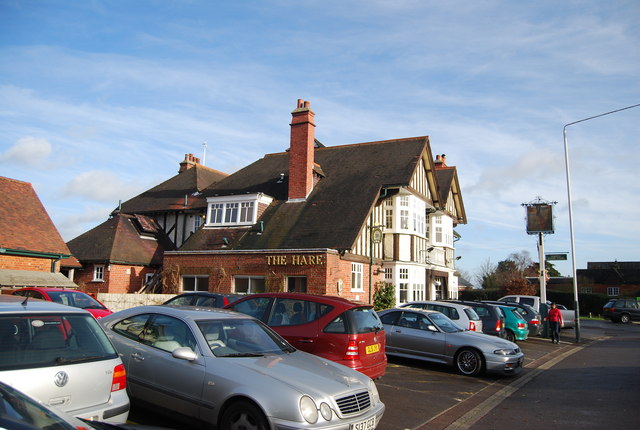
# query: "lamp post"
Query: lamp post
573,247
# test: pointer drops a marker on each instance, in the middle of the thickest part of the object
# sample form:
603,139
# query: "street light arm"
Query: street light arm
573,249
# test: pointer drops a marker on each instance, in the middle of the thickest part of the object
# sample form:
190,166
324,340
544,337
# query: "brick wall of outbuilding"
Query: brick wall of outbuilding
17,262
118,278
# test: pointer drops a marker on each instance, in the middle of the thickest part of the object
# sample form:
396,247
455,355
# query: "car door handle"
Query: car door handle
305,340
137,356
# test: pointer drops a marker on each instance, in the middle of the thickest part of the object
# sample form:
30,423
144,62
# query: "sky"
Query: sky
101,100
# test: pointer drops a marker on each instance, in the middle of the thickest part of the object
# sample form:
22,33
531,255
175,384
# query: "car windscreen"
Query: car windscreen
75,299
34,340
356,321
242,338
444,323
471,314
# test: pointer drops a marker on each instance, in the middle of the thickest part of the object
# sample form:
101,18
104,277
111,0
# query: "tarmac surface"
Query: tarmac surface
587,385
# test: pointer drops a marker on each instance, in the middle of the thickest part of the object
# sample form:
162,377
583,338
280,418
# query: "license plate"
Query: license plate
371,349
368,424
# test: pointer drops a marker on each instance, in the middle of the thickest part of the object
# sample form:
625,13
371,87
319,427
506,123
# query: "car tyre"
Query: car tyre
510,336
243,415
624,319
469,362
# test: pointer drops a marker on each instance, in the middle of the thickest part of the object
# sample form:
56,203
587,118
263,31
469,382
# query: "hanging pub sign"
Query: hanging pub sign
539,218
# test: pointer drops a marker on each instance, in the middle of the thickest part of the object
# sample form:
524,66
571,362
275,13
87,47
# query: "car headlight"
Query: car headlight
375,397
505,352
309,409
325,411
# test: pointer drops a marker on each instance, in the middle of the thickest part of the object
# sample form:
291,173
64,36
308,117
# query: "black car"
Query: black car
534,319
202,298
622,310
492,318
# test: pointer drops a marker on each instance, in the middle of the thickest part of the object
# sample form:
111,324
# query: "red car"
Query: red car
334,328
74,298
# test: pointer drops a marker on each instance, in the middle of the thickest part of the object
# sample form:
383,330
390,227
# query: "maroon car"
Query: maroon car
74,298
337,329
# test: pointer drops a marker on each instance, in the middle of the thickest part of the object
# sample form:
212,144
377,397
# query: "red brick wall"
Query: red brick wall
118,278
221,268
17,262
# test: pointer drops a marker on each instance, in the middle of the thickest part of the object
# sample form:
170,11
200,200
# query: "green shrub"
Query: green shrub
384,296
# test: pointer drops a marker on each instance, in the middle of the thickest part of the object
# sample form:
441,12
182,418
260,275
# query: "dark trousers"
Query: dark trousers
554,327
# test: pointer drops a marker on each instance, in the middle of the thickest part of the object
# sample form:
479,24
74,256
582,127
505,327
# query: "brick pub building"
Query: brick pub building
327,220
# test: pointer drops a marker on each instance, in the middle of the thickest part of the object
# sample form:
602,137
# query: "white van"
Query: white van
61,356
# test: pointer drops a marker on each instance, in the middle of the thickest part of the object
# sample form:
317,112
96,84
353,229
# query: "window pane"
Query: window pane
231,213
246,212
242,285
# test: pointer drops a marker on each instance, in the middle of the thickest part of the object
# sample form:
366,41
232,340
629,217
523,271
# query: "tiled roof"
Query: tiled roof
337,207
121,239
24,222
170,195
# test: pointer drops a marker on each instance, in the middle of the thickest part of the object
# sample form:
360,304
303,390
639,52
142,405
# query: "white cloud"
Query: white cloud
27,150
101,186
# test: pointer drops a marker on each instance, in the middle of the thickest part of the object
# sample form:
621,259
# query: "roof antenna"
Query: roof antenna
24,302
204,152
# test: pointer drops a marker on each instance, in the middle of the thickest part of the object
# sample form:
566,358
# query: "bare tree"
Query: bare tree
486,276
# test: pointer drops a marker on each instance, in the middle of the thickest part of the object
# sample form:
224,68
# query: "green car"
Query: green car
515,325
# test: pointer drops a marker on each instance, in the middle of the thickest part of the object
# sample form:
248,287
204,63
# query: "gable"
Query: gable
25,224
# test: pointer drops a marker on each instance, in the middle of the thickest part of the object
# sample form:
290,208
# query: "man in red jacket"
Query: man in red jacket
555,322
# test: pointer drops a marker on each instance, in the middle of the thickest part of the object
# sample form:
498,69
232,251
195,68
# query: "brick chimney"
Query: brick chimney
441,161
188,162
301,151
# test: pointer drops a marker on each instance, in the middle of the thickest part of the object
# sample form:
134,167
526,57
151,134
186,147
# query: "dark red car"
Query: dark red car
334,328
74,298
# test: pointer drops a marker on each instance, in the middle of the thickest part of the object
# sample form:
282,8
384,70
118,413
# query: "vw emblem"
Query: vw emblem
61,379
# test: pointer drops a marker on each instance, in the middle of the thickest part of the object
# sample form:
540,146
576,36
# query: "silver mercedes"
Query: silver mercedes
230,370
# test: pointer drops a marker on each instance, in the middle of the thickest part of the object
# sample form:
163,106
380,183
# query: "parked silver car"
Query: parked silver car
463,315
60,355
231,370
431,336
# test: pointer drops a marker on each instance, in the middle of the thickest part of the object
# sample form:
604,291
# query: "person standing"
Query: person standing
555,322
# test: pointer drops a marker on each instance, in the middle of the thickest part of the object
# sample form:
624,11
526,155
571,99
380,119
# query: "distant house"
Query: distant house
328,220
31,247
613,278
124,254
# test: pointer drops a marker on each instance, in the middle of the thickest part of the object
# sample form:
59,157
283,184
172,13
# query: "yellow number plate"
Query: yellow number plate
371,349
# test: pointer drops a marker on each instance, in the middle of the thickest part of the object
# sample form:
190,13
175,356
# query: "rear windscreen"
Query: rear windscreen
28,341
355,321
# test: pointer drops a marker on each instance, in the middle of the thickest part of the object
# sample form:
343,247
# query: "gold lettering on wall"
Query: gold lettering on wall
294,260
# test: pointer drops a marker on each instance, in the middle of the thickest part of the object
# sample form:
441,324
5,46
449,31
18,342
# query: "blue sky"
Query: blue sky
100,100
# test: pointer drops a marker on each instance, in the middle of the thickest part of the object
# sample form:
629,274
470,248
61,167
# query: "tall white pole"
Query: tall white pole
576,304
543,269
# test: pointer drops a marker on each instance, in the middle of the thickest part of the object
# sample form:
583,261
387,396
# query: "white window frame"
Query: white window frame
98,272
613,291
357,281
235,210
195,283
250,290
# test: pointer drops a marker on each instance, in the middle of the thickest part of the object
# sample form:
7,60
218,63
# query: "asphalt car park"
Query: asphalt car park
415,392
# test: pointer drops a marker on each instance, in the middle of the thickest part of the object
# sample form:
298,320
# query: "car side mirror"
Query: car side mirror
184,353
432,328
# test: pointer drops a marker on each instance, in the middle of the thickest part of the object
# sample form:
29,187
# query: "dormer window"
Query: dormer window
235,210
